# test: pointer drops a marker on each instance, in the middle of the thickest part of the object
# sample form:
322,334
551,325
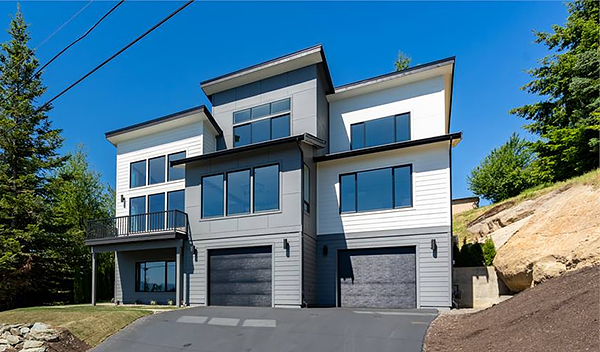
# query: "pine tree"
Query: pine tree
30,259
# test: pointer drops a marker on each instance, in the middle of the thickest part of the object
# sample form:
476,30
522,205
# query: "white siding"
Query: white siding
209,139
186,138
424,100
431,191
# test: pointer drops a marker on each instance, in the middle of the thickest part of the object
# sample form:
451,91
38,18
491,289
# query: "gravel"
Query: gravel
561,314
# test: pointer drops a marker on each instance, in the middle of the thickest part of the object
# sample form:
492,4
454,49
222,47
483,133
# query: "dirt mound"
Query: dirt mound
67,342
561,314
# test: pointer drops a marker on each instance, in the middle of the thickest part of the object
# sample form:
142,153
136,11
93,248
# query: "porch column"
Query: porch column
93,277
178,277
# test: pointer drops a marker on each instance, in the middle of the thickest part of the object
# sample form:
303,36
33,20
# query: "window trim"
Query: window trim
145,171
364,131
226,189
394,207
137,275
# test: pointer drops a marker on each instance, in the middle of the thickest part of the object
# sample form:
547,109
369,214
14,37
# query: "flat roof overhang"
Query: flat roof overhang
454,138
296,60
141,238
149,127
305,138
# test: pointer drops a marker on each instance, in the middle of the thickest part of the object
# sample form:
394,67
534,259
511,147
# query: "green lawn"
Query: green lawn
90,324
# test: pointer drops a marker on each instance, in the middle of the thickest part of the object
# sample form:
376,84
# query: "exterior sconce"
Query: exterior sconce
123,200
325,251
433,245
286,245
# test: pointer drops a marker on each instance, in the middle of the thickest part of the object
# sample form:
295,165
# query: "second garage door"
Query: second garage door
377,278
240,276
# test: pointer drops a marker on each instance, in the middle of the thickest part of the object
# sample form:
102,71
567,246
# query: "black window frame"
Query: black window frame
269,117
393,168
223,214
364,130
145,161
164,157
253,191
250,190
137,274
168,174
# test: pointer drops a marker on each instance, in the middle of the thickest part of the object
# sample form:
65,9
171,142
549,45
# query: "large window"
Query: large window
178,172
137,212
238,192
137,174
176,201
156,170
212,196
238,195
379,189
380,131
261,123
156,208
266,188
157,276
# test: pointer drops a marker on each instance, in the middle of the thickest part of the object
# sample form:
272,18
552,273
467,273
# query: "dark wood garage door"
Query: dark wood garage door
377,278
240,277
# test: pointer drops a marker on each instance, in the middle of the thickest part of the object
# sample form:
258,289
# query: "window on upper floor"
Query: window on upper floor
261,123
380,131
175,173
175,201
379,189
156,170
235,189
137,174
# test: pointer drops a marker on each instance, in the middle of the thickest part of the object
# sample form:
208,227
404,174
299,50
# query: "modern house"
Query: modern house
289,192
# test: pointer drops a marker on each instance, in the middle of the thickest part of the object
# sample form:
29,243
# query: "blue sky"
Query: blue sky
492,42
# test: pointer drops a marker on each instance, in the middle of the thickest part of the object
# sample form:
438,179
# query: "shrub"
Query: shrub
505,172
170,302
153,303
489,251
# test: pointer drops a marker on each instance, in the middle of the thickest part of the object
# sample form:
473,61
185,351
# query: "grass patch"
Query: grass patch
88,323
460,221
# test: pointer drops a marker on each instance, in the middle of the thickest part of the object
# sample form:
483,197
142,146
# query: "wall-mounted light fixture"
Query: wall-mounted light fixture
123,200
286,245
433,245
325,251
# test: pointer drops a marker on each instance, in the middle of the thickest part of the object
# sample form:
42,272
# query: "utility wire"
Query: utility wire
116,54
63,25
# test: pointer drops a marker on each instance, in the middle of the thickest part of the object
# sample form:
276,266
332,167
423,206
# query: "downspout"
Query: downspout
451,227
298,143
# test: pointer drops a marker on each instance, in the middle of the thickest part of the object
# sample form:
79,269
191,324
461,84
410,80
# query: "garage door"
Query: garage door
377,278
240,277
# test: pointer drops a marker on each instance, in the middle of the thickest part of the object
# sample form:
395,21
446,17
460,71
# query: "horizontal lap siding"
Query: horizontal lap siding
433,272
286,269
186,138
431,192
310,269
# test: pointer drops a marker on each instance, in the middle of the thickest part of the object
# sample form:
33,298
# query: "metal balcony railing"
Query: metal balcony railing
174,221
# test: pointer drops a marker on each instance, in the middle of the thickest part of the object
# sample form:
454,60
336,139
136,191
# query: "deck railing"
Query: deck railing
140,224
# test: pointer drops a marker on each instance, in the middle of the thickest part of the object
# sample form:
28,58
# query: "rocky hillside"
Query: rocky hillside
542,233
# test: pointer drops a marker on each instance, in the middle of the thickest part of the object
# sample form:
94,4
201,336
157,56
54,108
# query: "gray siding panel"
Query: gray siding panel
309,269
433,268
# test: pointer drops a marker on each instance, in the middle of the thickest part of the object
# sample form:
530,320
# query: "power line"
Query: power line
116,54
63,25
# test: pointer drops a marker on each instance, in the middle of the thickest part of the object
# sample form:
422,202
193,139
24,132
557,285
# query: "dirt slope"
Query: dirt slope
542,235
561,314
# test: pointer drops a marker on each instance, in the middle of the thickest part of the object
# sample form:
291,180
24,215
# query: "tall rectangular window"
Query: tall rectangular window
137,174
212,196
177,172
403,186
156,170
306,188
156,208
137,214
379,189
238,192
380,131
158,276
176,201
266,188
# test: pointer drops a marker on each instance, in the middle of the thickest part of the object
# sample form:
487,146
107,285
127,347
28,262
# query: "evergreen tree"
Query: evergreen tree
31,265
568,80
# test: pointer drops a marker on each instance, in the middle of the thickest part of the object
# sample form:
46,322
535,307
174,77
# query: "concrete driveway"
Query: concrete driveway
220,329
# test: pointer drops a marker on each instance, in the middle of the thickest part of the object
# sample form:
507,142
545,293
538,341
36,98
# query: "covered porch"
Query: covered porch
149,250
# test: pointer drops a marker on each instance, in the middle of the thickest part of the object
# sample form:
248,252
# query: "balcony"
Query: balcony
169,224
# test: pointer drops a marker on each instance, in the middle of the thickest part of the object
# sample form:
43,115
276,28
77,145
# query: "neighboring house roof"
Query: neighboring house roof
453,137
120,134
306,137
465,200
302,58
